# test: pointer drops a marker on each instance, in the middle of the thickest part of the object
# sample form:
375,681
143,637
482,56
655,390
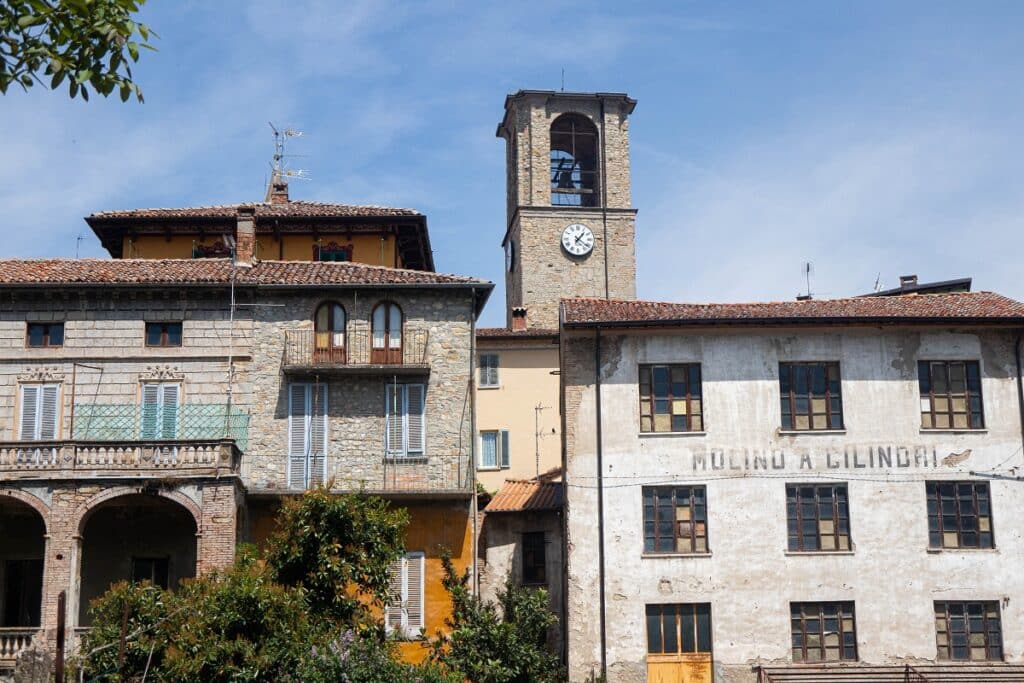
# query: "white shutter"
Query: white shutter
415,424
414,593
168,411
394,437
48,409
318,434
393,610
150,411
506,451
29,412
298,420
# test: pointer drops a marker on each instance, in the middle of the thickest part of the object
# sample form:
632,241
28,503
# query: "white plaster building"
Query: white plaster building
812,490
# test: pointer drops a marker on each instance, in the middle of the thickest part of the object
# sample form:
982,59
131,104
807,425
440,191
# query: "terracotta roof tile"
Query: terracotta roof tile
526,495
985,307
296,208
506,333
212,271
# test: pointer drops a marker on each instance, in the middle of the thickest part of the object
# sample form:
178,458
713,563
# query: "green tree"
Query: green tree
85,42
338,549
489,643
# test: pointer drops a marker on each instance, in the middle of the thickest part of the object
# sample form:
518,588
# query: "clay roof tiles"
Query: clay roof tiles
294,208
966,307
14,272
506,333
527,495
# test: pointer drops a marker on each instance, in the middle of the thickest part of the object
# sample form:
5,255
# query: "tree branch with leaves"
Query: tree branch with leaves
87,43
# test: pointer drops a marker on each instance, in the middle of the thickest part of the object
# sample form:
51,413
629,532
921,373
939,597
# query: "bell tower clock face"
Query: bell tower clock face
577,239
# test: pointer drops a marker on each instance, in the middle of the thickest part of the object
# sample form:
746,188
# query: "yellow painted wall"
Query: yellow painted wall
524,374
433,526
374,249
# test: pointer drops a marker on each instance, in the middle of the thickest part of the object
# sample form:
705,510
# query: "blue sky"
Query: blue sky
870,138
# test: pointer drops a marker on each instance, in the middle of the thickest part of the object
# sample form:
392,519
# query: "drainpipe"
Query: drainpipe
600,505
1020,382
473,509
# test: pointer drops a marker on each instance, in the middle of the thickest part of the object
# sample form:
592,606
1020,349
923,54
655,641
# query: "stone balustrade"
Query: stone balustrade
12,642
71,459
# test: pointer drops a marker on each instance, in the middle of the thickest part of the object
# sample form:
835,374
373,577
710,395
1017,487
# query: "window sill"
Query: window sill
656,556
808,432
939,551
481,468
645,435
818,553
488,386
965,430
402,459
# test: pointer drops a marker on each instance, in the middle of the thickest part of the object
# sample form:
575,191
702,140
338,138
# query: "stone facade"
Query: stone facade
230,446
540,272
744,460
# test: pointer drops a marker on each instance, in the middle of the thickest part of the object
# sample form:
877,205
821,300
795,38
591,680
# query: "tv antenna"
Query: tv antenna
279,171
78,244
808,271
878,282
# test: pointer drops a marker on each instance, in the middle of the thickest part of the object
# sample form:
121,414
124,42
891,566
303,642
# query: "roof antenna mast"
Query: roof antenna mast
808,270
279,171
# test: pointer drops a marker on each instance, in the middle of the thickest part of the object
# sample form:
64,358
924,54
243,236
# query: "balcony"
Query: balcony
73,459
306,351
12,642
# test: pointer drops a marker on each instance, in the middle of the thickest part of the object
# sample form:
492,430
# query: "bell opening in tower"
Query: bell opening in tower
573,161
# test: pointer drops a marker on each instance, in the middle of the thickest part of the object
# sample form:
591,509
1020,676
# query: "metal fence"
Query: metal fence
308,348
194,422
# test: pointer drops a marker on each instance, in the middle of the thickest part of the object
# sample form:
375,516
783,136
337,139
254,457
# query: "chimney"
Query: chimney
908,281
518,319
277,191
245,237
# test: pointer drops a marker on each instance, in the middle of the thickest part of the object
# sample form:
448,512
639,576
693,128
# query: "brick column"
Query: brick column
62,562
217,533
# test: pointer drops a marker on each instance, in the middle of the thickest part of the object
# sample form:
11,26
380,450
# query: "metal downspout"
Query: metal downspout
473,504
1020,384
600,505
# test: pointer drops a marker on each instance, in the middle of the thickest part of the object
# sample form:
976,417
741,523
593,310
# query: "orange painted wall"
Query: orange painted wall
433,526
371,249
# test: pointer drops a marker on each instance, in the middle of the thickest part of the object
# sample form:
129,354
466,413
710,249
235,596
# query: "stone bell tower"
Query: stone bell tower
570,229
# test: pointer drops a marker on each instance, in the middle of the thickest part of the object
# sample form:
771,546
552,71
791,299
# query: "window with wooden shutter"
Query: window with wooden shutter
40,408
307,434
160,410
404,612
405,424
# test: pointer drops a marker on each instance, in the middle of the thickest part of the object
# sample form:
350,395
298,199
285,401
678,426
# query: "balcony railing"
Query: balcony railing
72,459
12,642
430,475
308,349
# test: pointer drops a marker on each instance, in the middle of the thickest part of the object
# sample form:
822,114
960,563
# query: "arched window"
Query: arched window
329,332
387,333
573,161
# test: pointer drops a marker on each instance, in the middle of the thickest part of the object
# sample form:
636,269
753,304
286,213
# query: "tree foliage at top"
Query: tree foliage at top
88,43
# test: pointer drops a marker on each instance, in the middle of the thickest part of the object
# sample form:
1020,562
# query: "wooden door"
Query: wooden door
680,668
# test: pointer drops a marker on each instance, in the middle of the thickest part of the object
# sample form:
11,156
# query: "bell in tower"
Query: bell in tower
570,227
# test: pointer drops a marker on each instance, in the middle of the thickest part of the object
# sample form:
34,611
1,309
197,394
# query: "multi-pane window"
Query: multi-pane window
488,369
405,434
968,631
156,570
495,451
810,396
40,406
670,398
45,334
817,517
678,629
163,334
959,514
950,394
307,434
675,519
534,559
404,610
160,410
823,631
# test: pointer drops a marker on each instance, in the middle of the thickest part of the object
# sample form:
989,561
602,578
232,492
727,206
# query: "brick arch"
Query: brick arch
33,502
110,494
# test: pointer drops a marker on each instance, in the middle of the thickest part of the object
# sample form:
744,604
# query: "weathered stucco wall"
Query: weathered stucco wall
749,577
525,381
